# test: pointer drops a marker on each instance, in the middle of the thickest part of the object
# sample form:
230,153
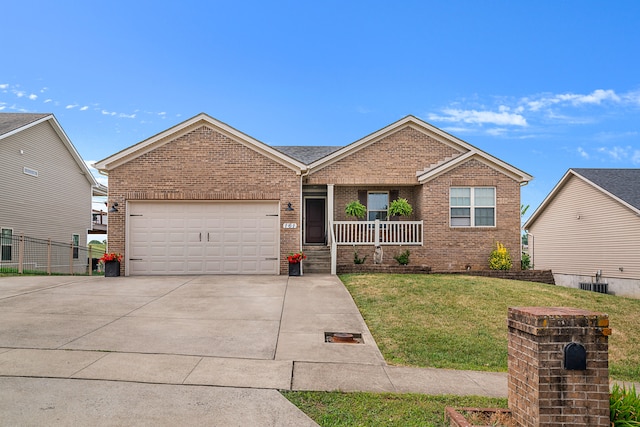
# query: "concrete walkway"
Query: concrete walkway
195,350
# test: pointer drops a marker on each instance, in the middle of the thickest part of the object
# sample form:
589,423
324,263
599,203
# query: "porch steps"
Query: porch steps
318,259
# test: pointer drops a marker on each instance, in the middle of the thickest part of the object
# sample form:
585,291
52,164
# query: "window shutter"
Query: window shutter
362,197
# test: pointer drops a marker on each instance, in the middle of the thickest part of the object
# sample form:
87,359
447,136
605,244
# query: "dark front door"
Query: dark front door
314,221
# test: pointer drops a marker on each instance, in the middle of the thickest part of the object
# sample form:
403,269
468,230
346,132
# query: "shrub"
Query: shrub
525,261
500,258
357,259
403,257
625,406
356,209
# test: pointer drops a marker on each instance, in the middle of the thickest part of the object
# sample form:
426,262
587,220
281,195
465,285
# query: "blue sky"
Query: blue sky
544,85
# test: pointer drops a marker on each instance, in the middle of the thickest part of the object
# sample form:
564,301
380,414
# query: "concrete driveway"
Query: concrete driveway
191,350
170,350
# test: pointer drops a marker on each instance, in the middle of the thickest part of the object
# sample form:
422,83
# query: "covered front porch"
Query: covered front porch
325,225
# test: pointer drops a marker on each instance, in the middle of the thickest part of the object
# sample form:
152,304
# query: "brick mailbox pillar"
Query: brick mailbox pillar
558,367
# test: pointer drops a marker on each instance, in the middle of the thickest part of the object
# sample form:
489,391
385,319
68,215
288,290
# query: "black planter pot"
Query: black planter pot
294,268
112,269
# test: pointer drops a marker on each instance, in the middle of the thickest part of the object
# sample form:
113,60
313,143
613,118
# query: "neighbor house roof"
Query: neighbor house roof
12,123
622,185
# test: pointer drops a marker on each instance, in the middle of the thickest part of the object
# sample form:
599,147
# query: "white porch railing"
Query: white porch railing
377,232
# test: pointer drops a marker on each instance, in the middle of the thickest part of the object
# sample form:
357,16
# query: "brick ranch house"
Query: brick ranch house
205,198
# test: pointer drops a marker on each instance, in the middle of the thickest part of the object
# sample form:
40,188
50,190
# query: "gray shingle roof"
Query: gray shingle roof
307,154
622,183
13,121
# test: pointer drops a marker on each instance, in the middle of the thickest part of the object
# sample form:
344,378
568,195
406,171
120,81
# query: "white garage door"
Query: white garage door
203,238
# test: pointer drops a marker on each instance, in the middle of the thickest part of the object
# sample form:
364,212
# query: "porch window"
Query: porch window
6,244
473,206
377,205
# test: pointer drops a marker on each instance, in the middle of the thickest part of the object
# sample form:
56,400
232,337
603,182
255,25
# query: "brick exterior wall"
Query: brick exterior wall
541,392
391,163
461,248
204,164
394,159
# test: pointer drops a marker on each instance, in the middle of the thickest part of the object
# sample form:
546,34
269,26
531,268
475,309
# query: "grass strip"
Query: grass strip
382,409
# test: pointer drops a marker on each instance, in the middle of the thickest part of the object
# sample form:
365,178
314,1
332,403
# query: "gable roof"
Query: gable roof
187,126
467,151
307,154
622,185
307,159
12,123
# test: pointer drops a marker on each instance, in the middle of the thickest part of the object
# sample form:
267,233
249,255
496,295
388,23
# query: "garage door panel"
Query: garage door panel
204,238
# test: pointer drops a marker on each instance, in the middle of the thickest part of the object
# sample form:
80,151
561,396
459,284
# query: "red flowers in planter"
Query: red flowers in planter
296,258
111,257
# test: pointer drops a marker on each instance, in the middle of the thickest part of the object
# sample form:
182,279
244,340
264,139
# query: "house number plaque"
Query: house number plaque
289,225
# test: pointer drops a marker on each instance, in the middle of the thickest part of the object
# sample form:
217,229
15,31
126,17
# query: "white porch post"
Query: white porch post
332,243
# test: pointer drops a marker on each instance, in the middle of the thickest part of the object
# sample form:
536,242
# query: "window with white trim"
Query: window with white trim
377,205
472,206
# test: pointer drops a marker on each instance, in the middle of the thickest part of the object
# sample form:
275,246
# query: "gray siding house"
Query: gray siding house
588,229
45,186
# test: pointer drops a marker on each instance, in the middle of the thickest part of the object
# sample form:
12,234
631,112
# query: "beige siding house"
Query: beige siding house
588,230
205,198
45,186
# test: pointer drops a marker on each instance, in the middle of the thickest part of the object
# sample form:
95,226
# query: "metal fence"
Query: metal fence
22,254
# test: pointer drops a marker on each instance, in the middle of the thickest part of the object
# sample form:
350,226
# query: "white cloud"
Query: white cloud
616,153
635,158
19,93
85,108
46,101
33,97
71,106
502,118
108,113
127,116
497,131
596,97
583,153
4,86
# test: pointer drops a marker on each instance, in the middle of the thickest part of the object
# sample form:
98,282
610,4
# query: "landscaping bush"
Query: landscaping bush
625,406
500,258
525,261
357,259
403,257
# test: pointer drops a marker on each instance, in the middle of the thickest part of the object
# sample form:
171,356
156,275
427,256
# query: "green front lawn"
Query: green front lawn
460,322
455,322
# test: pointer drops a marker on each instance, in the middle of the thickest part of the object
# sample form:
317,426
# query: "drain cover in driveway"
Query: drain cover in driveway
343,338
